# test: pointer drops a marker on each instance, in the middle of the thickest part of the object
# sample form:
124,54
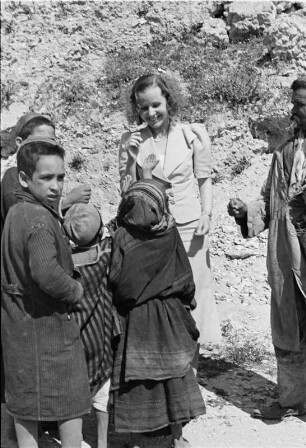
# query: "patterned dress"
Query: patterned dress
96,315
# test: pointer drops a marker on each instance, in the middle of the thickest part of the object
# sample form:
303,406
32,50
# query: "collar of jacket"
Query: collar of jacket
23,196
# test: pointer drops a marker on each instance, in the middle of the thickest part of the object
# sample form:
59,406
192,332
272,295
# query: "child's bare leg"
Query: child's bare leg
177,436
71,433
102,426
27,433
100,403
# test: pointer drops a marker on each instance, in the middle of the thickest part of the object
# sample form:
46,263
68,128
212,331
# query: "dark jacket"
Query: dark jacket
153,289
10,187
286,261
44,362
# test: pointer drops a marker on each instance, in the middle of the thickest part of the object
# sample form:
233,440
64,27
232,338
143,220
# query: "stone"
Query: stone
284,7
214,32
294,47
246,19
10,116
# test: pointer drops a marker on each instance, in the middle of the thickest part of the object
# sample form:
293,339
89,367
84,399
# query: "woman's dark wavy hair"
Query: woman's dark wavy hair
29,154
169,87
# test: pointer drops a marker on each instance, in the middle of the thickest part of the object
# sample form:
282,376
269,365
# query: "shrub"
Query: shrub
8,90
242,347
243,163
77,162
74,90
215,77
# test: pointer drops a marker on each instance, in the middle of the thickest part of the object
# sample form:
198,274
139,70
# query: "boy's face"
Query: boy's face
47,182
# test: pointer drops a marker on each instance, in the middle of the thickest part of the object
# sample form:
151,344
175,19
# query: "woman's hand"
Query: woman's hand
132,145
203,225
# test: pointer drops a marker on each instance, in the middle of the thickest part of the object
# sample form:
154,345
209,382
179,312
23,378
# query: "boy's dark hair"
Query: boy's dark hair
299,83
29,154
29,127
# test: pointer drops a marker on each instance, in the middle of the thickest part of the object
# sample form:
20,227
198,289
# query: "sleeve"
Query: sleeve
123,156
46,271
10,187
202,162
116,261
255,221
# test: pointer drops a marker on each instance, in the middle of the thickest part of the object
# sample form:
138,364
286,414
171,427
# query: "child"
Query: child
44,362
33,124
153,384
95,314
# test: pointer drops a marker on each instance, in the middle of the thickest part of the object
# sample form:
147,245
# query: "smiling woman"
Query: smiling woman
184,157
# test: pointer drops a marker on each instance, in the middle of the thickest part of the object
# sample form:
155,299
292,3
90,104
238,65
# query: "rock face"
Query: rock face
286,39
246,19
174,17
214,32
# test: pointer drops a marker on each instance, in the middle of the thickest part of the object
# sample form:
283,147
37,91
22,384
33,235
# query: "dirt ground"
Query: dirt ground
229,398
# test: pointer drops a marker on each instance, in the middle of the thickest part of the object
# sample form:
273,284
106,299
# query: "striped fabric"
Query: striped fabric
95,316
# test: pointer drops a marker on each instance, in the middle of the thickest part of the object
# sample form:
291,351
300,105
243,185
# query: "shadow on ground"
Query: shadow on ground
229,383
237,385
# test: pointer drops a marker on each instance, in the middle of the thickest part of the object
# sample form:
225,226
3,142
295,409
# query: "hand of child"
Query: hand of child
126,184
148,166
78,194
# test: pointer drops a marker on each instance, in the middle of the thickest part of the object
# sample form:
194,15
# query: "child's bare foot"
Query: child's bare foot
177,437
181,443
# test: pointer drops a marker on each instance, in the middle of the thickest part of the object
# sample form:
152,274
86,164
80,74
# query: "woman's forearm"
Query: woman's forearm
206,196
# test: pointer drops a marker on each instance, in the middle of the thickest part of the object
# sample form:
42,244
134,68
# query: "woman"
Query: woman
183,152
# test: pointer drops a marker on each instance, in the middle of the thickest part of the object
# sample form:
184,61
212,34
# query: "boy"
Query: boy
95,315
46,375
33,124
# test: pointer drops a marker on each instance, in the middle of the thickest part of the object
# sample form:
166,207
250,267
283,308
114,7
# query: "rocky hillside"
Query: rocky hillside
74,60
235,61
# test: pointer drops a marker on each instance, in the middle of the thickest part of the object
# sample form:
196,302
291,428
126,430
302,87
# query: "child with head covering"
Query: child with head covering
153,383
95,315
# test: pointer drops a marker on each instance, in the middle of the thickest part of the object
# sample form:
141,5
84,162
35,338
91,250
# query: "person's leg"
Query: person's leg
100,403
102,427
27,433
206,312
177,436
291,374
291,378
71,433
291,366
